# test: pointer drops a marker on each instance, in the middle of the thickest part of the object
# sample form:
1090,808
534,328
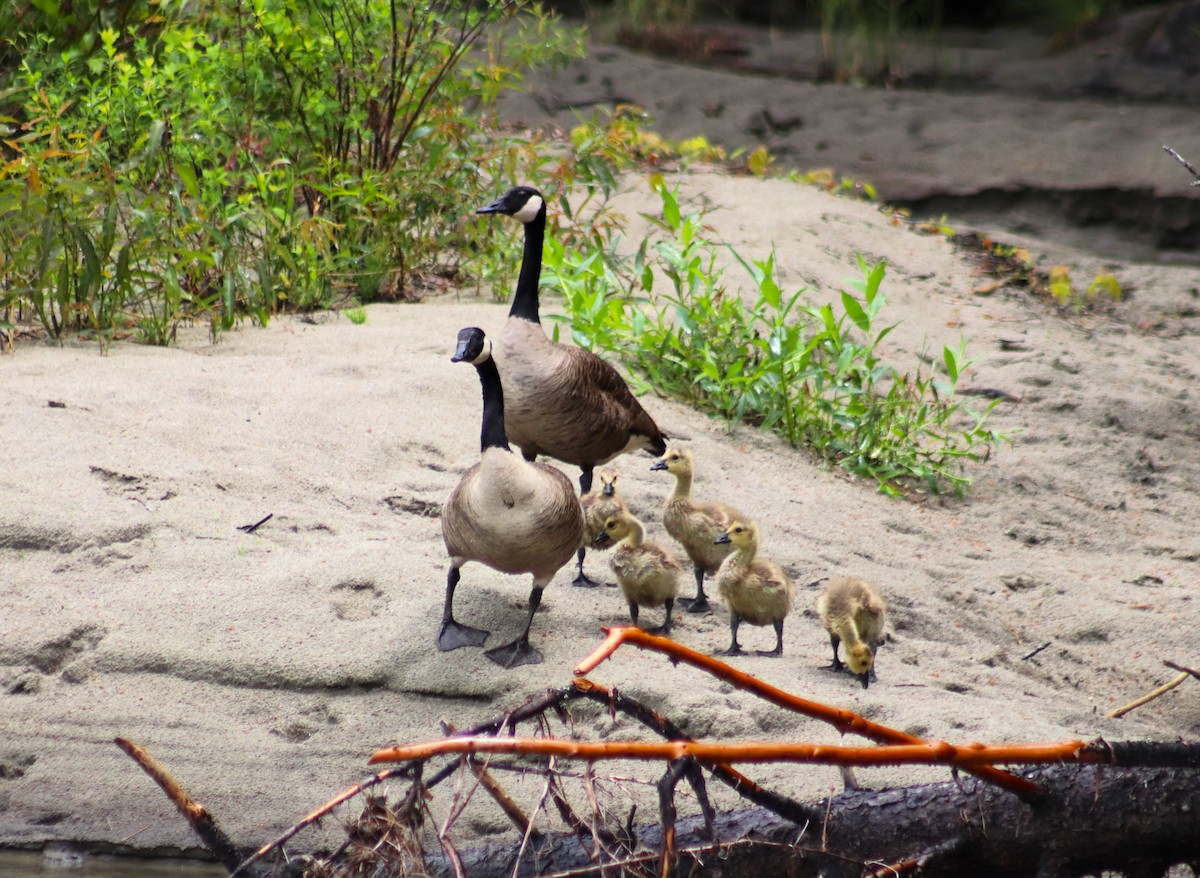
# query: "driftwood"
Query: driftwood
1124,806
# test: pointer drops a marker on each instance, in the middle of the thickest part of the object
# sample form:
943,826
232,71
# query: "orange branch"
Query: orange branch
928,753
843,720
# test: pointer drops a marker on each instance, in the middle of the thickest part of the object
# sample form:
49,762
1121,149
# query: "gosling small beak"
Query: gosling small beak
865,678
600,538
496,206
609,489
659,464
723,538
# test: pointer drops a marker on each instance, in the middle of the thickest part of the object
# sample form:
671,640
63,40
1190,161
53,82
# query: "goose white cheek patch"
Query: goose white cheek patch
530,210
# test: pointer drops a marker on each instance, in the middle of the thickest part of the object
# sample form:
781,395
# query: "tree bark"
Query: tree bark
1138,821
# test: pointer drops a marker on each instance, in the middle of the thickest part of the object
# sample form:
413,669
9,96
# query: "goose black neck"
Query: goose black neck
493,435
525,300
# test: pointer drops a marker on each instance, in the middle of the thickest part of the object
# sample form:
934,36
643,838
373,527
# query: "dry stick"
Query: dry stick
501,797
314,816
843,720
1184,668
969,756
1173,154
1150,696
197,815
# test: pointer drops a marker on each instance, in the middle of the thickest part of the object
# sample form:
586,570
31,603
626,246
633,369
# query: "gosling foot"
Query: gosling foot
733,650
514,654
455,635
582,580
696,605
770,653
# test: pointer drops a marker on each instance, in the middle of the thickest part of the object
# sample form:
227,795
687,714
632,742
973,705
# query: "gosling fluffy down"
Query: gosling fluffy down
563,401
853,611
647,572
695,526
599,505
510,514
755,590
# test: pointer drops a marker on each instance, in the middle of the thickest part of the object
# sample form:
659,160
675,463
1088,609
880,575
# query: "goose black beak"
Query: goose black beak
659,464
723,538
496,206
460,352
600,538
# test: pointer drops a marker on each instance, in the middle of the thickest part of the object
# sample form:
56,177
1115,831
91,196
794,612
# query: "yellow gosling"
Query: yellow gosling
854,612
754,590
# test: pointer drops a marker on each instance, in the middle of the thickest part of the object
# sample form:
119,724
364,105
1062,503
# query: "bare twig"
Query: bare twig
1034,652
251,528
1191,169
1148,697
1183,669
843,720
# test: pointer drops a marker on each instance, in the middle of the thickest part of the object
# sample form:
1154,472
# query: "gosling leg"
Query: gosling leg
778,650
837,663
698,604
582,579
519,652
734,649
665,628
585,480
452,634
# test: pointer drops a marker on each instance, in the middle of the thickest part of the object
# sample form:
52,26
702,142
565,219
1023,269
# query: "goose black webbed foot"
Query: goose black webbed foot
455,635
698,604
515,654
582,580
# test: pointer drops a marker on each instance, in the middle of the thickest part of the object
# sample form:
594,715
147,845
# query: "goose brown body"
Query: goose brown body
514,515
754,589
695,526
647,572
854,612
562,401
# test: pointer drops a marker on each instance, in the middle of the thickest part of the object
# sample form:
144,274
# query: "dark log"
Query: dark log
1133,820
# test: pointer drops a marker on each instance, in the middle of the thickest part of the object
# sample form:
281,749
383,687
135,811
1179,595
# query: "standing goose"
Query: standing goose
647,573
563,401
755,590
598,507
853,610
513,515
695,525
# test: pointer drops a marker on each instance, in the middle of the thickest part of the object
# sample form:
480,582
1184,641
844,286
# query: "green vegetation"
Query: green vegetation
810,372
161,162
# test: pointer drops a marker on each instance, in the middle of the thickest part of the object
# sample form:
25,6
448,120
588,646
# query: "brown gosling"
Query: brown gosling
647,572
852,610
563,401
755,590
513,515
695,526
598,507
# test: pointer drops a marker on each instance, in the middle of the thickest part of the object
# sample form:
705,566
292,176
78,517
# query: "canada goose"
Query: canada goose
563,401
647,573
852,610
510,514
598,507
695,525
756,591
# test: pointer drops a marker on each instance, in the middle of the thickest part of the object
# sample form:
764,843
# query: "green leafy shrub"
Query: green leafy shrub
810,372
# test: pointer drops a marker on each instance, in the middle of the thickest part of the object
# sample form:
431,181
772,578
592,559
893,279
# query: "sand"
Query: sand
264,668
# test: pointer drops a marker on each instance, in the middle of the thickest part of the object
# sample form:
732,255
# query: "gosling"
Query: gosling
755,590
647,572
695,526
598,507
852,610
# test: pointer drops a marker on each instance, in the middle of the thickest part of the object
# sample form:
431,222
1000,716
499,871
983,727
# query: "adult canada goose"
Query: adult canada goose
754,590
695,526
513,515
852,610
562,401
647,573
598,507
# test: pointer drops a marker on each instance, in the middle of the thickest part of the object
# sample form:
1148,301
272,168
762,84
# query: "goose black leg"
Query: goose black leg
734,648
582,579
452,634
698,604
778,650
519,652
585,479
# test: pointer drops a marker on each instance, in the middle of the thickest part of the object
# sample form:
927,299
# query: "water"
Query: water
64,863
